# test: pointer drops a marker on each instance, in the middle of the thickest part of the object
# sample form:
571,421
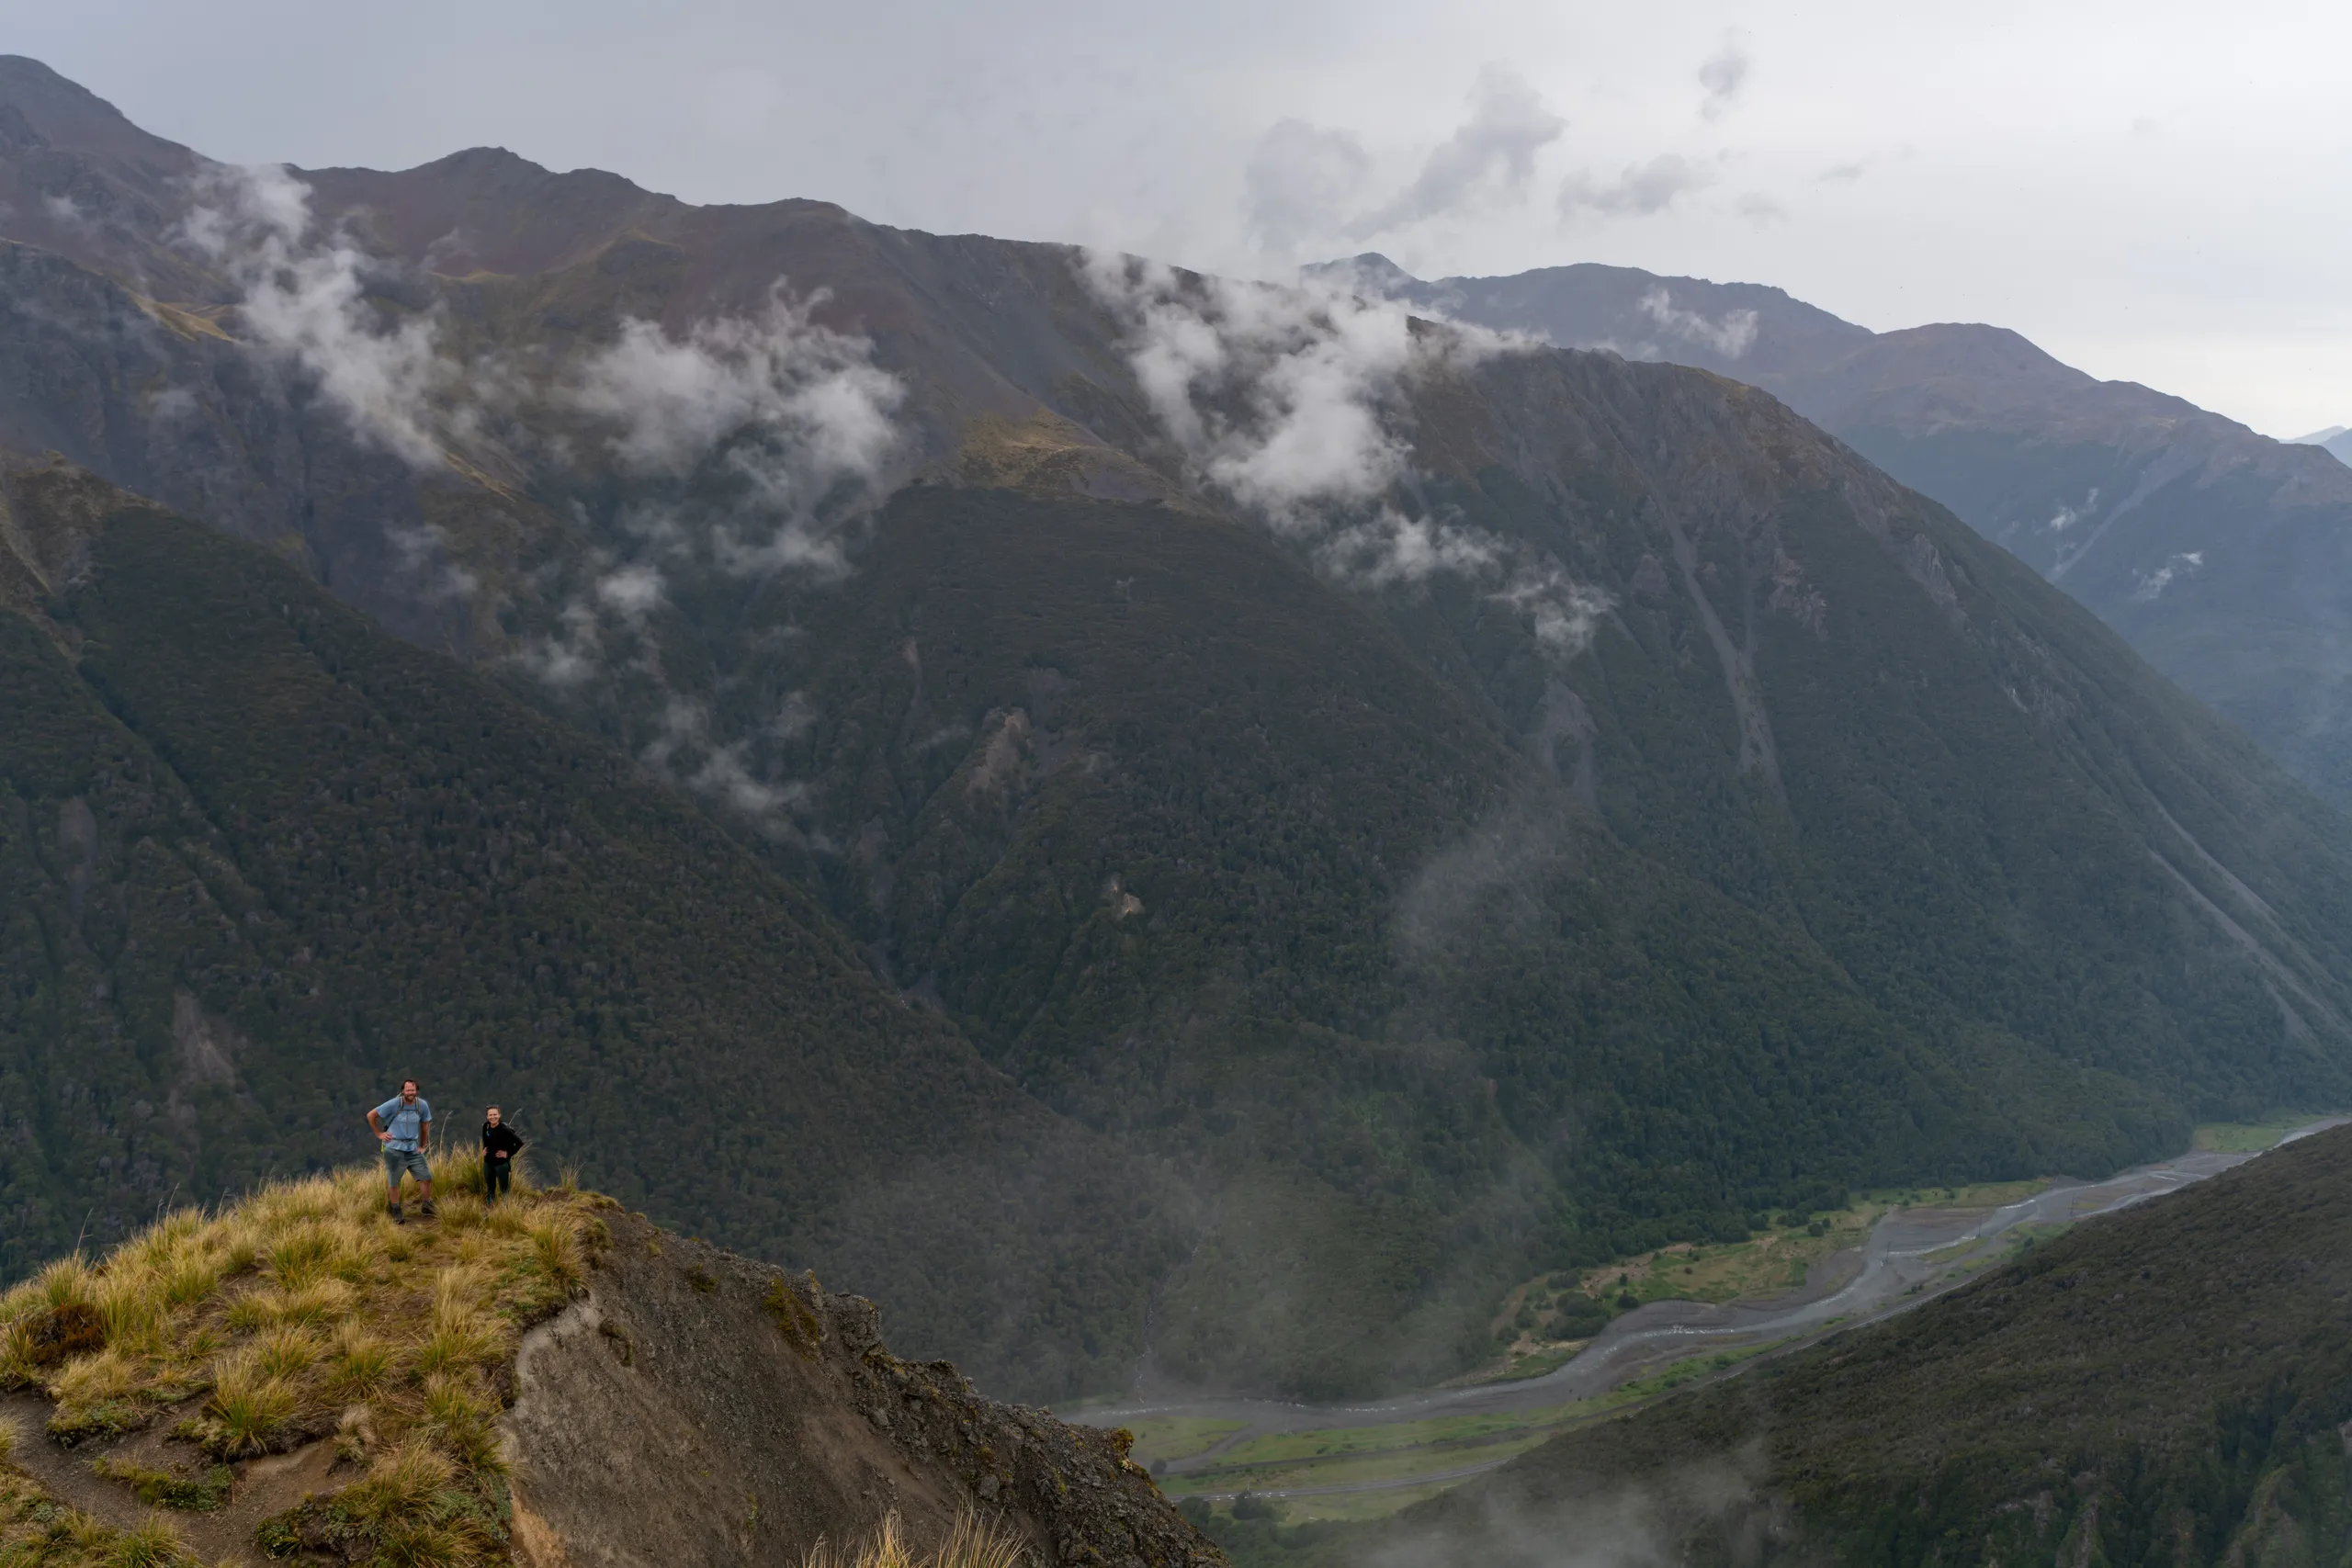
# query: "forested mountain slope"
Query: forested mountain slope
2219,553
1434,807
261,860
2169,1385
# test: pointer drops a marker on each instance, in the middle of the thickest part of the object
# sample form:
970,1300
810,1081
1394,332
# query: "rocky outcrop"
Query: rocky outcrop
700,1408
662,1401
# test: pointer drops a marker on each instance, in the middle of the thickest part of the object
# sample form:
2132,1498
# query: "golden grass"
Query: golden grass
35,1530
300,1310
362,1364
974,1542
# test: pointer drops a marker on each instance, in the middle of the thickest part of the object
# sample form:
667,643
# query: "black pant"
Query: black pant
497,1176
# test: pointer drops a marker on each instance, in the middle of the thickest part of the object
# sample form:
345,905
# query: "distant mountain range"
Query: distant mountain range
2225,558
2335,439
1132,814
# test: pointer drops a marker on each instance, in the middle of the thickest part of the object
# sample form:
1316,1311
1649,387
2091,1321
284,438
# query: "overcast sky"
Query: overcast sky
2154,192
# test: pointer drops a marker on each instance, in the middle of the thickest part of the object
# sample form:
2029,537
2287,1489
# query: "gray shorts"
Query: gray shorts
409,1162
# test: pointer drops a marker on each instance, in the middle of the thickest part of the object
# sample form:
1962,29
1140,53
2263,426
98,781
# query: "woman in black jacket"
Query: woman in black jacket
499,1147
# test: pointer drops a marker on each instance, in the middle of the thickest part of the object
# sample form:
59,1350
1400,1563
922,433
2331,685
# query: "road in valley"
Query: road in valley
1911,1255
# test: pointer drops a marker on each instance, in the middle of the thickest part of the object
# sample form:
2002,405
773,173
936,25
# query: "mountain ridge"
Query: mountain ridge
2216,551
1583,810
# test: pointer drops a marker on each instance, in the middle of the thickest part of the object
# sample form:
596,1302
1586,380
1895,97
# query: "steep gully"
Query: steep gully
1912,1256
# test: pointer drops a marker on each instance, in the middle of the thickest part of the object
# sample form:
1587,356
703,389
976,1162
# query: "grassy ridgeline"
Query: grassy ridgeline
300,1313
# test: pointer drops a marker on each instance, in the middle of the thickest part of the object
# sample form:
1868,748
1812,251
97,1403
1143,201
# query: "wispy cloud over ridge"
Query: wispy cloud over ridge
306,299
1641,190
796,412
1291,402
1731,335
1493,152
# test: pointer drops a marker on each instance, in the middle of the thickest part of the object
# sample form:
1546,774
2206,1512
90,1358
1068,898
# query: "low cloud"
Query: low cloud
573,654
1640,191
607,638
62,211
306,299
1292,402
2067,516
1391,547
1714,1509
1565,616
1731,335
794,414
760,444
789,417
687,752
1723,75
425,557
1282,398
753,443
1492,154
2151,584
632,592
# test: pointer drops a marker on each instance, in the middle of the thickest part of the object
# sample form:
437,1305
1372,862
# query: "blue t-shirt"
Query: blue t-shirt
404,1121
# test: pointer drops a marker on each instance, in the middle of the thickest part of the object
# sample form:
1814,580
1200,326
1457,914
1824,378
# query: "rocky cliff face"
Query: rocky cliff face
697,1407
552,1382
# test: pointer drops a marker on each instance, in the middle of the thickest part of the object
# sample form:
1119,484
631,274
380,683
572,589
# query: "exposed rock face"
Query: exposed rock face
687,1408
699,1408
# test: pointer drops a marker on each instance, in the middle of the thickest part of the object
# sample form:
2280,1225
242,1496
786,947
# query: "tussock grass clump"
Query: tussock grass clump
416,1508
297,1313
189,1277
974,1542
36,1529
555,1247
247,1409
361,1365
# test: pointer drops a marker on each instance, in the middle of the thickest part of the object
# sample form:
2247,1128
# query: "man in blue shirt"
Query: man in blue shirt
404,1124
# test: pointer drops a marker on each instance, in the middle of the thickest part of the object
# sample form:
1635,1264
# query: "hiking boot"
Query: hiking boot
398,1218
427,1210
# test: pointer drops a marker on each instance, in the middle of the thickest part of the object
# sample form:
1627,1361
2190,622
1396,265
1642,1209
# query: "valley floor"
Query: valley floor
1365,1460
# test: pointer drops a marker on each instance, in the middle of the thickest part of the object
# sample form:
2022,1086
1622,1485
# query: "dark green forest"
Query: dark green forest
1158,935
261,860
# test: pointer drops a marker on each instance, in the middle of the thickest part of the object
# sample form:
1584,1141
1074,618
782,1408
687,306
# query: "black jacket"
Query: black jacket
499,1139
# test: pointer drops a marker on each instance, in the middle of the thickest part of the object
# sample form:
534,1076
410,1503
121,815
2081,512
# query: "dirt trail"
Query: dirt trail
264,1487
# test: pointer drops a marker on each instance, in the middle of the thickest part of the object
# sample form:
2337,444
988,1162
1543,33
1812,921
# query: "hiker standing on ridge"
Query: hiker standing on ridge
499,1147
404,1124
